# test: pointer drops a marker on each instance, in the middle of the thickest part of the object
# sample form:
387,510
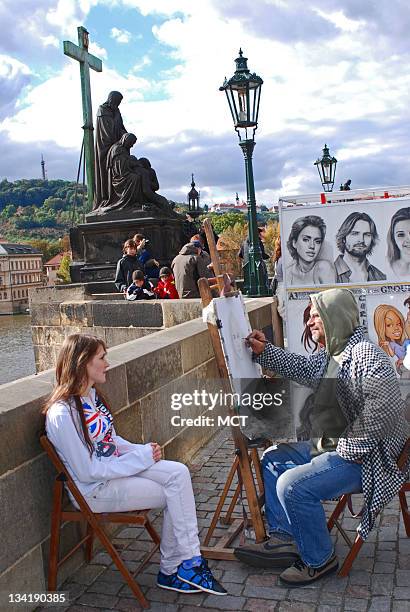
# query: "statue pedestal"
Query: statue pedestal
97,245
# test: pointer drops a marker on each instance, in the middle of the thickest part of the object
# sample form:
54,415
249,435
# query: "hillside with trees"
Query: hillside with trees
40,210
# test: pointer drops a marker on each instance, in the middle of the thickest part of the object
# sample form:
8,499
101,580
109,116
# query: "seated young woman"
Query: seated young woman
115,475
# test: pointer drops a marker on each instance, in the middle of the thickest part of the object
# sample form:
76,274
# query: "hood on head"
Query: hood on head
340,315
189,249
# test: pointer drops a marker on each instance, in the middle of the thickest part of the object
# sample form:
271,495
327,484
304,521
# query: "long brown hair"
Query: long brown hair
71,376
307,338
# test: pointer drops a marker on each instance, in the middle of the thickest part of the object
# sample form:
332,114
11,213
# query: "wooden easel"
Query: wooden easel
246,461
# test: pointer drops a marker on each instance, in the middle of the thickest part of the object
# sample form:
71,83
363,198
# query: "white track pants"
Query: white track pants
165,485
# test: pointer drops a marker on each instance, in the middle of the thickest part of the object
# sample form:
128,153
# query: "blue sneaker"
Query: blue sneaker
201,577
173,583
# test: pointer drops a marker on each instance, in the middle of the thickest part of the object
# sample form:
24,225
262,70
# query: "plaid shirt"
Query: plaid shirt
369,395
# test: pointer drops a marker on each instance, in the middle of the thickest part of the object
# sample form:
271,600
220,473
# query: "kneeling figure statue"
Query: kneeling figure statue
132,182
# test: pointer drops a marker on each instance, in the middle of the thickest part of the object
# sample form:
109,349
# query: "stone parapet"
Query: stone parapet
143,375
60,311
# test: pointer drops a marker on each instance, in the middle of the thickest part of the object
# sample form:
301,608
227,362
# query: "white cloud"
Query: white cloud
50,41
145,61
339,19
10,67
341,89
121,36
95,49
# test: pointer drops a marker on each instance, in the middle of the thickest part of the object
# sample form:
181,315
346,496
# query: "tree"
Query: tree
63,273
8,211
221,222
48,248
229,244
54,204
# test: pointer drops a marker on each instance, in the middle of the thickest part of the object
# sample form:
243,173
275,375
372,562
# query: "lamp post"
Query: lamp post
327,169
243,91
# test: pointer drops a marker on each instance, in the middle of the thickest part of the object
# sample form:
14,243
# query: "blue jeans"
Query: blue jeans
295,485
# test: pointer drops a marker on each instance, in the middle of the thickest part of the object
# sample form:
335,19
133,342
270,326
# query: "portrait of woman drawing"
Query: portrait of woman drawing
398,243
305,245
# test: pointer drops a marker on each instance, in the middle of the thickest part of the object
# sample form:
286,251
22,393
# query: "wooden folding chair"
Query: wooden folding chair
345,500
95,523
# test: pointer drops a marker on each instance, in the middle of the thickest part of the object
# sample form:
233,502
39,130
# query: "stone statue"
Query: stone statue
108,130
131,182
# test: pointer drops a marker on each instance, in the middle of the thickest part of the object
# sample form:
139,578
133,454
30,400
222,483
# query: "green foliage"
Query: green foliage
54,204
63,273
35,192
8,211
47,247
40,210
26,223
221,222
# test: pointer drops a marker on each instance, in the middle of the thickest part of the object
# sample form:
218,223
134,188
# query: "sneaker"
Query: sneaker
201,577
269,554
173,583
301,574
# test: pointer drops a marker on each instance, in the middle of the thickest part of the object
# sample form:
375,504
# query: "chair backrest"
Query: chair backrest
63,473
404,457
52,453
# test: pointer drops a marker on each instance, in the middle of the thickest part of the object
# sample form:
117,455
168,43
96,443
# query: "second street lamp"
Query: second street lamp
327,169
243,92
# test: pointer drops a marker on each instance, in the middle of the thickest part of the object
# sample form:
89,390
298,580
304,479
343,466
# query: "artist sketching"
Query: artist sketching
367,391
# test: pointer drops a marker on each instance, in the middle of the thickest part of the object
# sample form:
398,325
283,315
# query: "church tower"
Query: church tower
193,200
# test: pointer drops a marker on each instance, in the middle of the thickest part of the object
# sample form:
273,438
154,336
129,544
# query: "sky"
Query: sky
334,71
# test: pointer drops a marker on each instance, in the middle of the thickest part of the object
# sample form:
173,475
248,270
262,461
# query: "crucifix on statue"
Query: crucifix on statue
87,61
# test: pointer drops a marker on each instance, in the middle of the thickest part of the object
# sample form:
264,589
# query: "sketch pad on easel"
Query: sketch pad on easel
233,325
245,375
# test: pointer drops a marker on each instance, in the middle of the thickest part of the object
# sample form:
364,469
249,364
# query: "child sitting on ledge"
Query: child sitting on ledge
166,290
141,288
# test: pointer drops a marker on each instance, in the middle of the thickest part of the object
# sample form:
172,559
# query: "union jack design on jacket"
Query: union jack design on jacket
99,422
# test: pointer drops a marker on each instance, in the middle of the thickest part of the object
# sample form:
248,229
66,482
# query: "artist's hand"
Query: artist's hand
257,341
156,451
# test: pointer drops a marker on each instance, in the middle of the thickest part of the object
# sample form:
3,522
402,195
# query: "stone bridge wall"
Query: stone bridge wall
59,312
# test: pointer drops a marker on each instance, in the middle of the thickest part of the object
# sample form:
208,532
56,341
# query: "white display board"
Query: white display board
320,242
388,312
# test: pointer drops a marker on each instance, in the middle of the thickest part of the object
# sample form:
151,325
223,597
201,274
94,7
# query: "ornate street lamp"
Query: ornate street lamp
243,92
327,169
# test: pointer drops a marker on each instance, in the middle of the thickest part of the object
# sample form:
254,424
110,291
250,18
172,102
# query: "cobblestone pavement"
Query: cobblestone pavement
378,582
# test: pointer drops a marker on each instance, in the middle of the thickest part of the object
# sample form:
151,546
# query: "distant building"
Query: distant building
20,270
240,207
51,268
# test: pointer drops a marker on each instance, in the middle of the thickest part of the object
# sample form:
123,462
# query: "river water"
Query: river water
16,349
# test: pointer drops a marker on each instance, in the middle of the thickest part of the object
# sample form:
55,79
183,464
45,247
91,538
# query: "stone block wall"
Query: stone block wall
143,375
57,313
